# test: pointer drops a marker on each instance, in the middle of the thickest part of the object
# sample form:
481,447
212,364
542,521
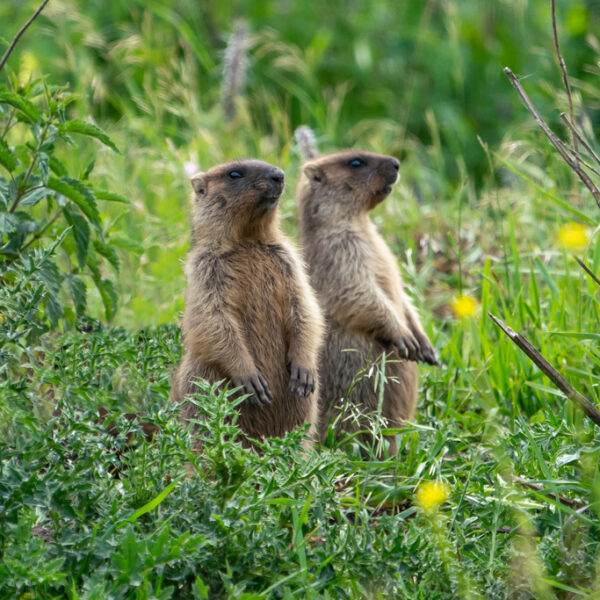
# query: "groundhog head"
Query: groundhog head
237,196
346,183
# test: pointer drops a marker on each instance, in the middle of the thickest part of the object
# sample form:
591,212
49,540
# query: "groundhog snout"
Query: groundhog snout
389,169
271,183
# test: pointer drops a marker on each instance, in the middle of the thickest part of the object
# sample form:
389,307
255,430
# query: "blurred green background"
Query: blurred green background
418,79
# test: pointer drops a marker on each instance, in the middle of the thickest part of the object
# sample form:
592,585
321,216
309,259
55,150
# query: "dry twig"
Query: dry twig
561,383
587,270
20,33
578,136
563,68
538,487
552,138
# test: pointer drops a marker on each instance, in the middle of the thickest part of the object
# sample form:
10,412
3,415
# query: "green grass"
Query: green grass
84,514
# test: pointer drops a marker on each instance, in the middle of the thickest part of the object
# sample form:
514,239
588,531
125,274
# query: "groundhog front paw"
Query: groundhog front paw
301,380
426,351
257,387
407,346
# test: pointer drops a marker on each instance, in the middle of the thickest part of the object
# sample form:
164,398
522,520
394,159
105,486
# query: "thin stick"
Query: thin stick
561,383
578,136
540,488
563,68
587,270
555,141
583,162
20,33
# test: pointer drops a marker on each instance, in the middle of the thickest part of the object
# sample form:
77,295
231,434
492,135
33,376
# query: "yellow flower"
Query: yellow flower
573,236
464,306
431,495
2,318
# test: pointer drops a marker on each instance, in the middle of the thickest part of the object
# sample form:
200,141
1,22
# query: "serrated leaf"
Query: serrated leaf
109,253
8,223
57,167
24,106
109,297
81,233
43,167
7,158
78,291
34,195
79,193
126,244
86,172
76,126
102,194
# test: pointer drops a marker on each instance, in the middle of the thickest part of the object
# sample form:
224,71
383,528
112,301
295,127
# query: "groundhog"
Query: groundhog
250,317
359,288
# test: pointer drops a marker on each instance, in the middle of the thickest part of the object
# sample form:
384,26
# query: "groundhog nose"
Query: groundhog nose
278,175
395,163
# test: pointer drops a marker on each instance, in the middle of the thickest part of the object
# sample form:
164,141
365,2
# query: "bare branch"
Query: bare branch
561,383
577,135
20,33
552,138
540,488
565,77
587,270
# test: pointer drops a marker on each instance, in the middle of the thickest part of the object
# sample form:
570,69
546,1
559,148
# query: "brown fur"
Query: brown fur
358,286
250,314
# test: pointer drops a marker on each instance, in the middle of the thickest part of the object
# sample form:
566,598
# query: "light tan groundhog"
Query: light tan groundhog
359,288
250,316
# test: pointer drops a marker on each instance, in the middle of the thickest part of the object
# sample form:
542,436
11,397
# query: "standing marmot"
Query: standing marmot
250,315
358,286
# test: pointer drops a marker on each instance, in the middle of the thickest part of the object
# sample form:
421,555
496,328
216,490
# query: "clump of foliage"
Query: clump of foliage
40,198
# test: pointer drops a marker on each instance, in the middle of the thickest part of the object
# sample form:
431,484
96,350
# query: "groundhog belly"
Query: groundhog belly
352,370
263,328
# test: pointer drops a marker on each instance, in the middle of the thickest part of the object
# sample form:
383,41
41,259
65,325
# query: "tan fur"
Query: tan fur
358,286
250,312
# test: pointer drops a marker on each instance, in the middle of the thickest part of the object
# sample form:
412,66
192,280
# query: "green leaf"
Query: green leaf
150,505
34,195
27,108
57,167
81,233
102,194
8,223
7,158
79,193
109,253
89,129
78,291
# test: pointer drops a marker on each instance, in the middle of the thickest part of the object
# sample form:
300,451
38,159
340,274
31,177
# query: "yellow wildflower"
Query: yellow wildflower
573,236
464,306
2,318
431,495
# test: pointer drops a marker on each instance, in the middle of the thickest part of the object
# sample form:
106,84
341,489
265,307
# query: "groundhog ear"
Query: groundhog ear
314,172
198,182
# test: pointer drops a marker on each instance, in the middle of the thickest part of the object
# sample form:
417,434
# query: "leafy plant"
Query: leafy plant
41,199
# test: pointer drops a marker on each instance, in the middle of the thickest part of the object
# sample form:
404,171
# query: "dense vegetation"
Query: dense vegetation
496,490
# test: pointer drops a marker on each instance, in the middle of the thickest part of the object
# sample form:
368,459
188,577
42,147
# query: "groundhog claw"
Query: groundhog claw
301,380
257,387
407,347
426,351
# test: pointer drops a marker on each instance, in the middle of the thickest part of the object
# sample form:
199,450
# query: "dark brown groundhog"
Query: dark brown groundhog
250,315
359,287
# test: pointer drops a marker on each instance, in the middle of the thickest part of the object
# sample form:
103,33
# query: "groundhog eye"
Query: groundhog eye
356,162
235,174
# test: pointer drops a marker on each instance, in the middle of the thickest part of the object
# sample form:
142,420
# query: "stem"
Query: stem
30,169
20,33
552,138
557,379
40,233
565,77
